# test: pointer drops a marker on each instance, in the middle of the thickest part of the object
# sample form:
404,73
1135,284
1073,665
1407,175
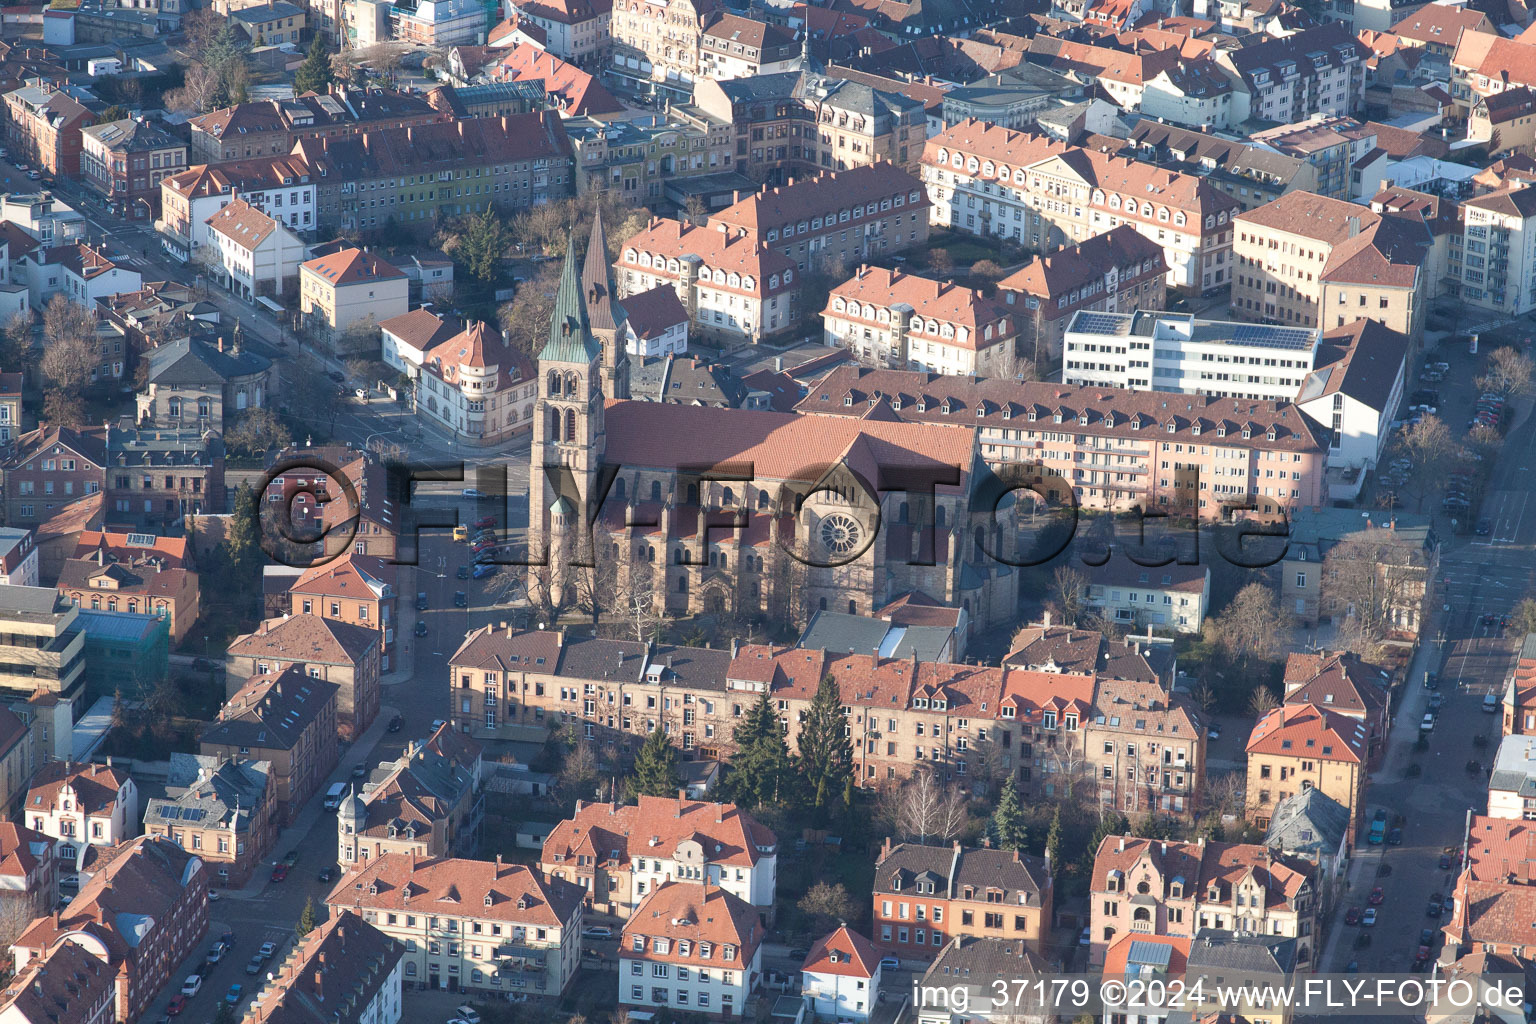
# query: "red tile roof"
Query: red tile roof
351,266
732,837
845,952
459,887
1302,730
704,915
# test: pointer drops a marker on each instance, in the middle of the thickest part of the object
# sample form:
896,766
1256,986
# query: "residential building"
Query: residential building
429,803
1505,122
655,323
1134,773
903,629
1355,391
133,585
1344,683
574,30
125,161
1512,782
347,288
1486,63
346,959
18,759
1254,961
859,125
571,91
904,321
270,24
439,23
841,976
200,384
1168,888
58,535
966,969
470,925
41,644
1197,93
1309,261
1219,451
279,186
43,216
85,274
18,557
733,46
477,386
158,477
362,519
265,128
1494,891
69,982
1251,174
1313,826
81,805
1333,147
1175,352
219,809
44,129
1518,706
1492,263
1173,597
1120,271
620,854
286,720
1315,70
636,158
964,170
691,945
144,912
125,652
11,385
924,895
1405,546
656,48
335,651
353,588
258,256
1300,745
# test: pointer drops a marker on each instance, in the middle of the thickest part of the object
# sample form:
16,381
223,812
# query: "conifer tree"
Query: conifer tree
1007,827
656,771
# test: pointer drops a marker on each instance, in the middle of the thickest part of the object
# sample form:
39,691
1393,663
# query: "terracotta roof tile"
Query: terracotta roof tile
459,887
704,915
1303,730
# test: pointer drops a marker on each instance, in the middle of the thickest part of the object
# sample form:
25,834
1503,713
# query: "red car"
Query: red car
485,522
1376,896
1352,915
177,1004
280,872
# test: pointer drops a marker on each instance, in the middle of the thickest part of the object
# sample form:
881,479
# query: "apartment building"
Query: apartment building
619,854
133,585
636,158
158,477
732,46
1314,827
469,925
219,808
362,519
347,287
656,47
1119,271
859,125
1314,71
926,895
1518,706
1172,597
1306,260
429,803
81,805
263,128
1253,175
344,958
905,321
279,186
569,90
1344,683
18,557
1356,391
1043,194
1175,352
574,30
69,982
1493,261
1494,894
477,387
125,161
257,256
439,23
42,645
352,588
1405,547
1176,889
1111,449
44,128
1484,64
146,910
286,720
335,651
1300,745
18,759
841,976
693,947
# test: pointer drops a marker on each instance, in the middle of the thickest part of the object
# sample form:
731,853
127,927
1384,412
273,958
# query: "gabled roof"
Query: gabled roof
243,224
483,889
654,311
352,266
271,711
1363,359
194,362
1303,730
1309,824
608,832
306,638
845,953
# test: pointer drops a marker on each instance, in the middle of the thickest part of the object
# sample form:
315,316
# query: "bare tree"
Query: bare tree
578,772
1430,446
1485,440
1375,579
200,89
925,807
1204,697
1067,765
1249,628
1508,373
1262,701
1069,586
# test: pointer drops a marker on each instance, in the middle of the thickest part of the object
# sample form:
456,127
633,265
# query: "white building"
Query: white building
18,557
1162,351
278,186
1196,94
82,805
477,386
841,977
1316,71
1356,390
1171,597
81,272
1512,783
691,947
656,323
43,216
1494,257
258,255
407,338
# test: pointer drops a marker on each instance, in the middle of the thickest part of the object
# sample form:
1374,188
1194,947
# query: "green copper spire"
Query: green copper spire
570,335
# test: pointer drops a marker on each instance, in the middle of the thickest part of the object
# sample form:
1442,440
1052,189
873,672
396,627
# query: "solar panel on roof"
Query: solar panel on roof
1097,323
170,812
1272,337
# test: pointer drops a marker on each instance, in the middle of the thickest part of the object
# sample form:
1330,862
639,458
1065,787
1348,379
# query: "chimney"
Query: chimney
320,986
1047,620
735,647
681,796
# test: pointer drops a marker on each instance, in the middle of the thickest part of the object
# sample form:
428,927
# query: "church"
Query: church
738,512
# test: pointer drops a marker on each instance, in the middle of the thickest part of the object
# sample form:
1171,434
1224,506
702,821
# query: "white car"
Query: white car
467,1013
474,492
192,986
1427,724
597,931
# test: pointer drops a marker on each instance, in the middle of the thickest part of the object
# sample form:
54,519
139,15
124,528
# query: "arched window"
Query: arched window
693,494
762,499
682,584
655,490
554,383
571,384
570,425
853,607
822,604
554,424
728,497
133,606
650,554
939,516
725,560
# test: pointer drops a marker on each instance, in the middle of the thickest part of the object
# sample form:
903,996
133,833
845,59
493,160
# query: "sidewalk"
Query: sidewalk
295,833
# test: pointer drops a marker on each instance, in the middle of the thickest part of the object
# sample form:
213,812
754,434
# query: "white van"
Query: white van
1491,704
192,985
334,794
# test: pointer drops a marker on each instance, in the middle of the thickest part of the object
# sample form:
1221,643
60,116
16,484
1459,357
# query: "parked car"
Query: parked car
1427,723
279,872
485,569
1395,837
266,950
215,953
397,723
232,997
1368,919
177,1004
326,874
192,986
1376,897
474,492
1352,916
421,628
254,965
597,931
463,572
484,523
1433,909
467,1014
890,963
